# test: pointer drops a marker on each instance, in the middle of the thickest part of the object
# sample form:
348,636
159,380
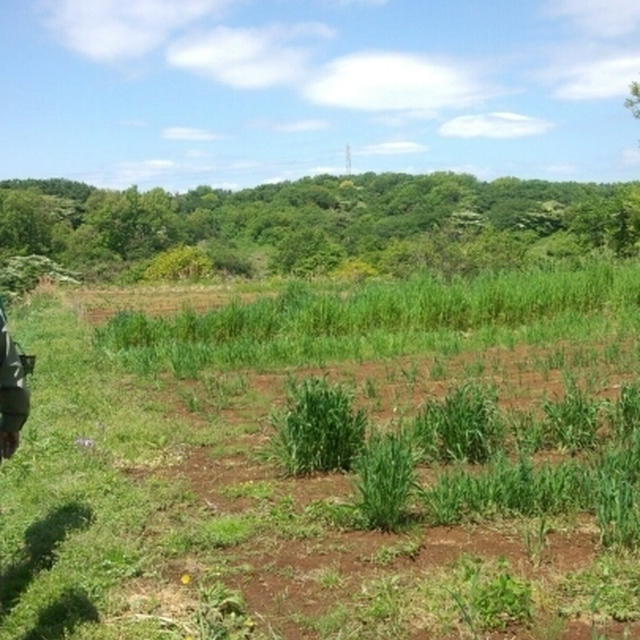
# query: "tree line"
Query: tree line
354,226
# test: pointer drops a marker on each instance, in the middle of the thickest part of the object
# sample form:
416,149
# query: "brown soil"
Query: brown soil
285,582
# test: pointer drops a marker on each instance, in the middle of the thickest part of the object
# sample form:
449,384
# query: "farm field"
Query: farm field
157,493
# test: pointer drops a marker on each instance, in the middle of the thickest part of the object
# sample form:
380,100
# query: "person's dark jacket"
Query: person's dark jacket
14,395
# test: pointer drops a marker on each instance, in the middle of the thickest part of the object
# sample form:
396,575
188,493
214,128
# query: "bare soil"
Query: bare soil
282,582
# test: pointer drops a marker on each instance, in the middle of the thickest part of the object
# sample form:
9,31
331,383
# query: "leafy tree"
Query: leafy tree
633,101
25,223
306,252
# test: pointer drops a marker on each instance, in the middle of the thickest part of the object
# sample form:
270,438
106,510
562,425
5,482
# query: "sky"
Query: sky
237,93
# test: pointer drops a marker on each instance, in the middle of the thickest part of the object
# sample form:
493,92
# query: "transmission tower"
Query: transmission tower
347,157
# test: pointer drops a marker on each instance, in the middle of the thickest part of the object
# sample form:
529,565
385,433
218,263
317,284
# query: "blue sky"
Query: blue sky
235,93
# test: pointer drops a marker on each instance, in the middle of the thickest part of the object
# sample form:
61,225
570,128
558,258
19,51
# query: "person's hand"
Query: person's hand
9,441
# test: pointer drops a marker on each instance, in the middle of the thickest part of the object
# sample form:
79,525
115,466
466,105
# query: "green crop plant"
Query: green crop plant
573,421
527,431
309,323
464,426
493,601
617,510
626,413
509,489
534,536
386,477
318,430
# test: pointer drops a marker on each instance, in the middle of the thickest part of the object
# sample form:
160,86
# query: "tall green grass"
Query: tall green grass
307,324
318,430
464,426
386,478
573,421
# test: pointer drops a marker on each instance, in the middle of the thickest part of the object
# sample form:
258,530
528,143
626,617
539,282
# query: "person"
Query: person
14,394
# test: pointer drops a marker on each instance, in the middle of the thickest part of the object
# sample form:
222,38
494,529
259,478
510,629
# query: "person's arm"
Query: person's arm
14,395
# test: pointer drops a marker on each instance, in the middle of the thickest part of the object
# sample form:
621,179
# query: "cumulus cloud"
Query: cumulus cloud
386,81
494,125
112,30
248,58
392,148
600,18
190,134
599,78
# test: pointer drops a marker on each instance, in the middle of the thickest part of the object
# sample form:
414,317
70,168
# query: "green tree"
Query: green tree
25,223
633,101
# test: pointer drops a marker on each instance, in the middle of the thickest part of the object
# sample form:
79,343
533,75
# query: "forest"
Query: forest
351,227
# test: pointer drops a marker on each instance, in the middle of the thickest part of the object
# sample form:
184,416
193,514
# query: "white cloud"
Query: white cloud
248,58
190,134
387,81
111,30
325,170
302,125
494,125
600,18
145,173
392,148
599,78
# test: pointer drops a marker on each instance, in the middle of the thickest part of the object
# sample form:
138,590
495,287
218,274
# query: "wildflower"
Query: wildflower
185,578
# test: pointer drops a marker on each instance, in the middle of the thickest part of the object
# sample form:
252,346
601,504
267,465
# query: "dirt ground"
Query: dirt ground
281,588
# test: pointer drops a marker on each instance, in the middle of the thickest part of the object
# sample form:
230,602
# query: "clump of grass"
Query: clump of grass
465,426
527,431
509,489
626,411
572,422
386,478
616,480
319,430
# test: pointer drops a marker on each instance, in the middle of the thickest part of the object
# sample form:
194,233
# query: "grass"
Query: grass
319,430
465,426
373,320
100,522
386,479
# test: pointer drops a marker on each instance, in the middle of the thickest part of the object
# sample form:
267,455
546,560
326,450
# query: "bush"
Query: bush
21,274
386,470
464,426
318,430
179,263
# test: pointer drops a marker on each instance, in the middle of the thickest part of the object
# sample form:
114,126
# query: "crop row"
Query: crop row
318,430
304,323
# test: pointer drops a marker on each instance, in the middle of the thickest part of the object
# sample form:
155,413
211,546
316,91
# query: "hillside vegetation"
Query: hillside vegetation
352,227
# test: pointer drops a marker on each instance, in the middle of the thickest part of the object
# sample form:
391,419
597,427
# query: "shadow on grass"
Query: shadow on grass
59,619
42,539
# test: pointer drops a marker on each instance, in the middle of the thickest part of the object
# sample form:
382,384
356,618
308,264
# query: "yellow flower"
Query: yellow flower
185,578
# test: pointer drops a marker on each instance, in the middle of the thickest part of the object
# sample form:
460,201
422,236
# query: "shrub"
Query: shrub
464,426
386,478
179,263
318,430
21,274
